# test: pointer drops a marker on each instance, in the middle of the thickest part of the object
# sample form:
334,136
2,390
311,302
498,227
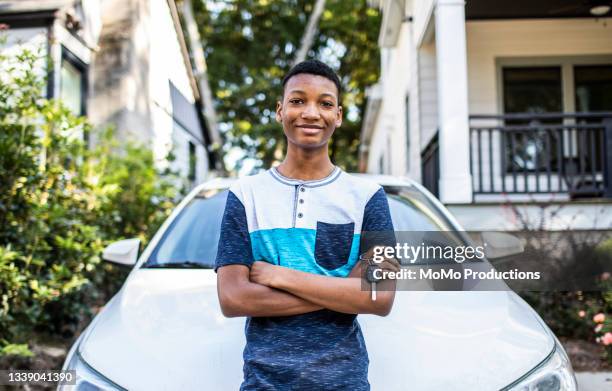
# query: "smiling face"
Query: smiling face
309,111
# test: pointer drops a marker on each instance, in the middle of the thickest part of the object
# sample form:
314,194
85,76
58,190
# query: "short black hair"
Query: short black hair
313,67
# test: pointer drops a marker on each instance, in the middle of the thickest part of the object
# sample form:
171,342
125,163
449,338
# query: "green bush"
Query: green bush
60,204
578,314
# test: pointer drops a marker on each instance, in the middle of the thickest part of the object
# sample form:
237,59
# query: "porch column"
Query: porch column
451,65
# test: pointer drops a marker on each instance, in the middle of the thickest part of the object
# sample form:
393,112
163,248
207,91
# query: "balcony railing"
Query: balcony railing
542,153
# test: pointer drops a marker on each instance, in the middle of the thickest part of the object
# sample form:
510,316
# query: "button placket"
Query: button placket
301,205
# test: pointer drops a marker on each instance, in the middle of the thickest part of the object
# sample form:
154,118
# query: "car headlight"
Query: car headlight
87,378
554,374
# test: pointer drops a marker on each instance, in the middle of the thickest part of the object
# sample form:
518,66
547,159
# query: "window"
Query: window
531,90
593,86
564,84
193,159
73,83
593,92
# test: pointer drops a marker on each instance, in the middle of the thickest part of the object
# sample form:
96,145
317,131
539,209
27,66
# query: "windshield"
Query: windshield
192,238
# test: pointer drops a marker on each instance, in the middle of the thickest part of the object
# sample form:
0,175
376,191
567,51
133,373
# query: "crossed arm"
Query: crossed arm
270,290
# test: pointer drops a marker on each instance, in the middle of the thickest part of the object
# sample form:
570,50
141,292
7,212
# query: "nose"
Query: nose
311,111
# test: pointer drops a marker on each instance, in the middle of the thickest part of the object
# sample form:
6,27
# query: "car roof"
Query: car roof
383,180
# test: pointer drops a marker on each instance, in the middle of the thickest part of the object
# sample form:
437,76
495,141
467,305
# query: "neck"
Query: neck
306,164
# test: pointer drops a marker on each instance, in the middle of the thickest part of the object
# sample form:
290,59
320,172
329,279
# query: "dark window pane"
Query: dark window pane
532,90
593,87
192,161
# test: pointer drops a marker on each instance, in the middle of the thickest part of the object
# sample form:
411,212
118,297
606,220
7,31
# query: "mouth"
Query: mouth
310,129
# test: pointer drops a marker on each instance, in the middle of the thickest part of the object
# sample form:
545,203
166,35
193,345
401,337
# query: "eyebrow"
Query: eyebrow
302,92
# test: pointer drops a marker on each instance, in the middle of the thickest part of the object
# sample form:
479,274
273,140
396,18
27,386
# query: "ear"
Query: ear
279,109
339,117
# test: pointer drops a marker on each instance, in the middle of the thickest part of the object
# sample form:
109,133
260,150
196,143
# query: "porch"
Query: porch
512,107
553,153
514,157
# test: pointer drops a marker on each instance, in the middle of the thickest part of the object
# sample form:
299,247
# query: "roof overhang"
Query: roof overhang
529,9
23,6
31,13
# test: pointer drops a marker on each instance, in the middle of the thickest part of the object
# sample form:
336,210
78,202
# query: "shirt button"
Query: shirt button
301,201
300,215
302,189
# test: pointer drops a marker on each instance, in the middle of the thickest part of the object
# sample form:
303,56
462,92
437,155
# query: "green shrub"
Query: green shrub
60,204
578,314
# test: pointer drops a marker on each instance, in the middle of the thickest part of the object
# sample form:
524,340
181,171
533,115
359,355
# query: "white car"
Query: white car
164,329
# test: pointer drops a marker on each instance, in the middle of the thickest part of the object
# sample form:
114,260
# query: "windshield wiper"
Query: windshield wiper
178,265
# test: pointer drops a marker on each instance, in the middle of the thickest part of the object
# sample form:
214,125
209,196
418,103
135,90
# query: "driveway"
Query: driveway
594,381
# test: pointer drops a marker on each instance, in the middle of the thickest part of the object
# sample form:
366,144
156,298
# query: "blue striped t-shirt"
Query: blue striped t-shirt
311,226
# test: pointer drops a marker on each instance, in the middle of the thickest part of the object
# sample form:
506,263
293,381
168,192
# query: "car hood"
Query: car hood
164,331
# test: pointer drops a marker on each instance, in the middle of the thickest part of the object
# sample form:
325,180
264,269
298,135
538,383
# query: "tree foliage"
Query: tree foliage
250,45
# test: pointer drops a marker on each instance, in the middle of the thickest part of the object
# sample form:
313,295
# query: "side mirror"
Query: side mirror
500,244
124,252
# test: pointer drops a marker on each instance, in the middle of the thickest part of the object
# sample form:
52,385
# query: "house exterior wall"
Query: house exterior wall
139,78
489,40
410,66
493,43
120,92
410,69
428,87
48,36
167,64
389,151
140,55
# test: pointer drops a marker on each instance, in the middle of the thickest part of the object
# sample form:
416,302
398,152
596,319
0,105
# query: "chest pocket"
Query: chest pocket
333,244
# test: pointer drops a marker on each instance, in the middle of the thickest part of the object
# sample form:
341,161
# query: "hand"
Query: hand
263,273
389,264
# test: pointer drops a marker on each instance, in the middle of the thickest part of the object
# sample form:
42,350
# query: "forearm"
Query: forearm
251,299
336,293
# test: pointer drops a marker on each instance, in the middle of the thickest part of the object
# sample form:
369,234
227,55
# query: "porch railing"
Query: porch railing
542,153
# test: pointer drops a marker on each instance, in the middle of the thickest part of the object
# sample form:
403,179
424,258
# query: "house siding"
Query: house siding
167,64
490,40
140,57
428,93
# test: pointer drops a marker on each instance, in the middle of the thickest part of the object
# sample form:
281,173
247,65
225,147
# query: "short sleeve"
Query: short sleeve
377,228
234,240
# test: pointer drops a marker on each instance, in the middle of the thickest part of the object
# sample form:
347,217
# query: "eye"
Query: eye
295,101
327,104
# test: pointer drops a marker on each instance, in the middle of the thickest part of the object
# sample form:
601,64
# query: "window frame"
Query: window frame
566,63
83,68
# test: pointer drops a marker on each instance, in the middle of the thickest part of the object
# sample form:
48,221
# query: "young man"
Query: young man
290,237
